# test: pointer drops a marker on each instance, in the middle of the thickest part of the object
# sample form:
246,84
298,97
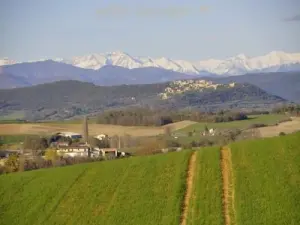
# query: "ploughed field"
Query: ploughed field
248,182
94,129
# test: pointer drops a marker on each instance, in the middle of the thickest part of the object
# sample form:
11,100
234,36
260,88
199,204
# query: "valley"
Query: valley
149,113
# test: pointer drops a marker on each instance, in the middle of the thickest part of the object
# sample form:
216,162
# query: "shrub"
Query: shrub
282,134
190,134
51,154
257,125
36,144
12,163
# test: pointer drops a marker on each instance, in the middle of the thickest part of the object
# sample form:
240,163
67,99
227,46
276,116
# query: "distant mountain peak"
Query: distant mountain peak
236,65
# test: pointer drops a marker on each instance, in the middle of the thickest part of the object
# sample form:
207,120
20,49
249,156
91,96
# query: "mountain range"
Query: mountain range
67,99
275,61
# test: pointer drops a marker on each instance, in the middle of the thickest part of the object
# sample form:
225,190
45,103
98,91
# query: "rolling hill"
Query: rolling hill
248,182
285,85
65,99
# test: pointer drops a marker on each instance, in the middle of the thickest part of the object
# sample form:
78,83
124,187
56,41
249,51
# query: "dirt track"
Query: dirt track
48,128
189,187
228,189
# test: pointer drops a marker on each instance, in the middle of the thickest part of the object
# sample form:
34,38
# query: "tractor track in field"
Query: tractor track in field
228,187
189,187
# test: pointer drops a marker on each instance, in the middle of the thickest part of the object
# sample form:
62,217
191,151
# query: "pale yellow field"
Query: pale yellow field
94,129
286,127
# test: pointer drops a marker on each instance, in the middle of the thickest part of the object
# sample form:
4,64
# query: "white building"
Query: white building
73,151
70,135
101,136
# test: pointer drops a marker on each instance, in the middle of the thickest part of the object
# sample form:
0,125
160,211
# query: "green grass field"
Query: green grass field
206,202
267,180
150,190
269,119
13,139
139,190
12,116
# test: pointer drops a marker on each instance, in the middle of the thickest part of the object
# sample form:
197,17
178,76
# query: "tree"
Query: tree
95,142
12,163
35,144
206,129
51,154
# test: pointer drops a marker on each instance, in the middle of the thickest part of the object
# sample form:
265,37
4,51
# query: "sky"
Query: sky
186,29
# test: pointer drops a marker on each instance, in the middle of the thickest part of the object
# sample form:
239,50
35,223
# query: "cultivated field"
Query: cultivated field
286,127
49,128
205,205
267,180
241,124
139,190
248,182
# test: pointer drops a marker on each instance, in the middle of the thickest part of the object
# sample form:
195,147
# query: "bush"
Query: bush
95,142
12,163
35,144
257,125
173,144
51,154
285,120
2,169
282,134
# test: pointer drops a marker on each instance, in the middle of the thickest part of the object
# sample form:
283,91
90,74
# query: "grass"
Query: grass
206,203
13,139
12,116
269,119
267,180
138,190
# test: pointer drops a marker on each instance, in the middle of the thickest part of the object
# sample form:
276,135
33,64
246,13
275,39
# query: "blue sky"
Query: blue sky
187,29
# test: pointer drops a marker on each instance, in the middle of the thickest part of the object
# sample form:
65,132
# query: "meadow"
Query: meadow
268,119
139,190
267,180
205,205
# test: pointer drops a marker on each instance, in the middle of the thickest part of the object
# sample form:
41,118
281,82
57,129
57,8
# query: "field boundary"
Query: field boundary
189,187
227,186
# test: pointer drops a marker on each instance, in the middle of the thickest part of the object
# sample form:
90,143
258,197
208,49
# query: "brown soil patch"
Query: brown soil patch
228,189
286,127
94,129
189,187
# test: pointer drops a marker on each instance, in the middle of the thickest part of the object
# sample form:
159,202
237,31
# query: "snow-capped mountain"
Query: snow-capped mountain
237,65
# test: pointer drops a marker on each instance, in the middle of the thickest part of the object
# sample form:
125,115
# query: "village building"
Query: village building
101,136
71,135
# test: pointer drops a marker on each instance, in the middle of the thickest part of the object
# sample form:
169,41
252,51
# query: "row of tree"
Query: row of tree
291,109
138,116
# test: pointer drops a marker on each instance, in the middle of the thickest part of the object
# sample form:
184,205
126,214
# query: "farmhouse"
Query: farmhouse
211,132
73,151
70,135
101,136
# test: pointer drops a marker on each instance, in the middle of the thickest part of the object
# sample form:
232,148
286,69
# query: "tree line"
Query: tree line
292,109
139,116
